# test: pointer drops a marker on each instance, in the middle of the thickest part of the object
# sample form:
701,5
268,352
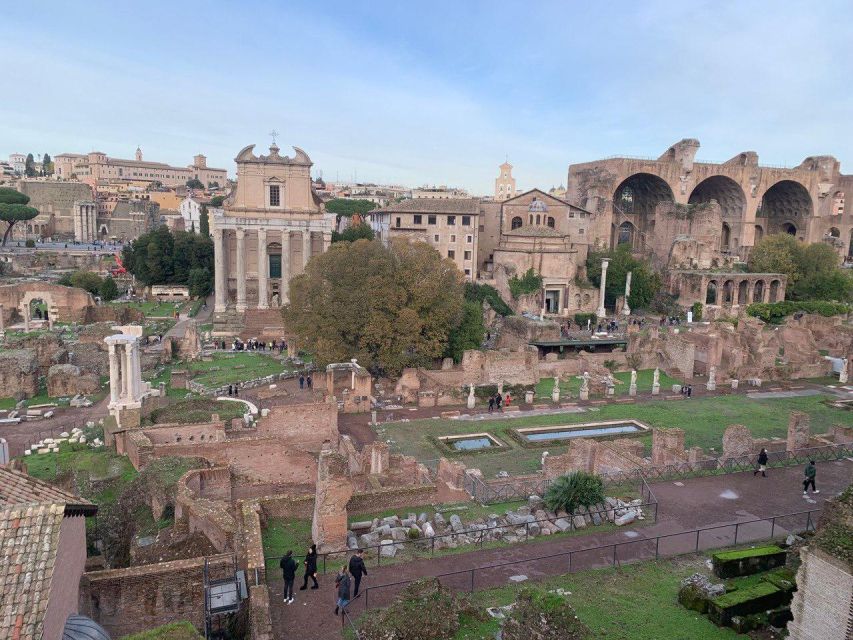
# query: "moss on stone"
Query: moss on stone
747,553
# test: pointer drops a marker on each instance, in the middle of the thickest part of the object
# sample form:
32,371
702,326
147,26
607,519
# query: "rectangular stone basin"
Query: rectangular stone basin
612,428
471,442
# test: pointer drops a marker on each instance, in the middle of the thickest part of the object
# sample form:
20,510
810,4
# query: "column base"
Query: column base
601,312
241,308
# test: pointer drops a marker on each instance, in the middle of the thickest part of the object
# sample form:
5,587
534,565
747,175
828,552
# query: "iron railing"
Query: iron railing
674,544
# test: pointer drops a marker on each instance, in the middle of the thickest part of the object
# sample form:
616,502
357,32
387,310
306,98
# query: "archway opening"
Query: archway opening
516,222
758,291
728,292
834,232
637,197
725,191
725,237
774,290
759,233
711,293
743,292
551,222
626,234
784,206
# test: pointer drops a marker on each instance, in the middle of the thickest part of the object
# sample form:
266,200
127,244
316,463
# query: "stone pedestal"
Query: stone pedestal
734,384
528,397
555,392
632,388
656,383
471,399
712,379
843,375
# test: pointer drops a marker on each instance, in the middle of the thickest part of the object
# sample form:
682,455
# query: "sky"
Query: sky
429,92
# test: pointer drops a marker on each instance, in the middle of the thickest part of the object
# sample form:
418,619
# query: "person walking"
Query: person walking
301,381
342,584
357,569
507,400
498,402
491,403
309,382
310,568
762,463
288,572
810,473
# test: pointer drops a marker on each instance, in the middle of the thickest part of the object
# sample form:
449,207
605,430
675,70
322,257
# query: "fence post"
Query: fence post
324,563
472,581
526,531
366,597
697,540
808,520
614,555
432,547
772,526
570,562
657,547
736,528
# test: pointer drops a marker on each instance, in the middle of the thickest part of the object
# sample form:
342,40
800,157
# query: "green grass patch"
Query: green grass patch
745,594
157,309
769,550
223,368
183,630
196,410
572,385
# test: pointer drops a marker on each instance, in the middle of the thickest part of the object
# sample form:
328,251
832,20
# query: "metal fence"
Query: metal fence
612,554
520,487
477,538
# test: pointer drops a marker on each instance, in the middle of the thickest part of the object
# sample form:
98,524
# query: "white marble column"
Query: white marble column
114,374
285,266
327,241
241,269
27,317
137,369
306,248
2,321
125,375
626,310
219,270
78,215
601,312
263,270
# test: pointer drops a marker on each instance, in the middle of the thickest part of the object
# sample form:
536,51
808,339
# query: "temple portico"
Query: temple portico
126,385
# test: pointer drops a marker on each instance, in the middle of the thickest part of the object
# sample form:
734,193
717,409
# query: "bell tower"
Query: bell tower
504,183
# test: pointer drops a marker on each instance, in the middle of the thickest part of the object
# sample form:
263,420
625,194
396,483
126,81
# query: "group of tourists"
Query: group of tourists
347,581
253,344
497,402
809,474
305,381
687,390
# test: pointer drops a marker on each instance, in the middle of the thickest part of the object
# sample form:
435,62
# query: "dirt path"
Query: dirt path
21,435
690,504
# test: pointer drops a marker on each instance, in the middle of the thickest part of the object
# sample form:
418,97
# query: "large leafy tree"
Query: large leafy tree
390,307
345,208
577,489
645,283
354,232
14,209
204,221
163,257
46,165
30,166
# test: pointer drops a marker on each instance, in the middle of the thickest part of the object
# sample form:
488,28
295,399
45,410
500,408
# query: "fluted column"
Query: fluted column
601,312
241,270
263,270
285,266
306,248
219,270
114,374
137,369
126,380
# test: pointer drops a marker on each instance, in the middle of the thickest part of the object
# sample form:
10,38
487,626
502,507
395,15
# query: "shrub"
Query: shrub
108,289
581,319
577,489
30,243
775,312
530,282
697,311
540,614
478,292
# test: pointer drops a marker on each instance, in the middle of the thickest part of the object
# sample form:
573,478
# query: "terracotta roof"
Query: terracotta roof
18,489
29,538
466,206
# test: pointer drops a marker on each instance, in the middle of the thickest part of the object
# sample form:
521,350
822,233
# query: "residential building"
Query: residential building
451,225
18,162
43,537
190,209
438,193
96,166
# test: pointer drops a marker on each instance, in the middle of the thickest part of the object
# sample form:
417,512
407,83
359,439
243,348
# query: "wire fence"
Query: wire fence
612,554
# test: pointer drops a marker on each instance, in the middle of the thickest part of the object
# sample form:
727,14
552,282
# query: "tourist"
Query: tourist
288,572
308,381
357,569
507,400
310,568
236,389
762,463
230,389
689,390
301,381
342,585
810,473
491,403
498,401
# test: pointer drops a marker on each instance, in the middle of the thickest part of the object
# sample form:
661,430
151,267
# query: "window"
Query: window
451,253
551,222
482,227
398,222
571,213
275,265
467,255
435,237
469,239
467,272
466,221
418,218
451,220
516,222
580,231
453,237
275,195
430,219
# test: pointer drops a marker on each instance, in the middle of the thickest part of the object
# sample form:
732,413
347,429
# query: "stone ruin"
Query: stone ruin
333,492
69,380
355,397
19,373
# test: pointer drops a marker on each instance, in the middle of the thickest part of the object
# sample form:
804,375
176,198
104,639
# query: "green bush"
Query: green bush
478,292
530,282
108,290
697,311
30,243
775,312
581,318
576,489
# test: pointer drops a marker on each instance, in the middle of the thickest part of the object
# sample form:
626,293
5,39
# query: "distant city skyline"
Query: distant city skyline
437,94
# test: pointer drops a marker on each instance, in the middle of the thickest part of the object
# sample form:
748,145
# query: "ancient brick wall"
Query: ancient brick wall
823,601
283,506
492,367
306,426
19,373
126,601
71,304
48,347
799,430
68,380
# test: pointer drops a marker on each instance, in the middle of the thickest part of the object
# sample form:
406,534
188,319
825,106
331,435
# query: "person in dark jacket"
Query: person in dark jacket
357,569
288,572
342,584
310,568
762,463
810,473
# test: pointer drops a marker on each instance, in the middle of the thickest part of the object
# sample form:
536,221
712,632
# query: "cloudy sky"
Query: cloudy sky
430,92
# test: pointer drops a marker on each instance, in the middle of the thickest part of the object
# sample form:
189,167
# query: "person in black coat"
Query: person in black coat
357,569
342,584
288,572
762,463
310,568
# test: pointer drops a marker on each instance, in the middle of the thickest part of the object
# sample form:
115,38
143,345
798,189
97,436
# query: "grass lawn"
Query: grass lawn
636,602
224,368
196,410
157,309
183,630
572,385
703,420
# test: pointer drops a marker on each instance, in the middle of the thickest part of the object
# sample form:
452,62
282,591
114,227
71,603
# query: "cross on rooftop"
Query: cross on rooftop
273,133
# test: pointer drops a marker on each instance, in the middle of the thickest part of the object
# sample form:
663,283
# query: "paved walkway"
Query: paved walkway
685,505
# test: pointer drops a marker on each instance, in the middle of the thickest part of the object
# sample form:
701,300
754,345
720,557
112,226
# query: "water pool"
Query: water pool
591,430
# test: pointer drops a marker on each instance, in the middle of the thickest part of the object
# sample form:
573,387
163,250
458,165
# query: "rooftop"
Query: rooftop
466,206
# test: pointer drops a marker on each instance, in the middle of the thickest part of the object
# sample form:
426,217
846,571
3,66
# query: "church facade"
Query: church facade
265,233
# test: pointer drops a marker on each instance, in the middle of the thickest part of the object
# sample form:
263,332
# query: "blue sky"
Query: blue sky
430,92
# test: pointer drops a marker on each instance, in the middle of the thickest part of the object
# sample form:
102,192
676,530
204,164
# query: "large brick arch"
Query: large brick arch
70,303
785,205
635,200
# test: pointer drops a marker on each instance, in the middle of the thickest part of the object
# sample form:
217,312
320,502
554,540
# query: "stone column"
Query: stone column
114,374
632,388
137,370
712,379
843,375
626,310
656,382
2,321
327,241
263,270
219,270
555,391
471,399
78,210
601,312
285,266
306,248
241,269
127,373
27,317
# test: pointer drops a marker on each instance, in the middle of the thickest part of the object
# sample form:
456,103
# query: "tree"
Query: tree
216,201
213,185
195,183
529,282
108,289
13,209
577,489
46,166
30,166
88,281
204,221
200,282
345,207
390,307
352,233
163,257
776,254
645,283
468,334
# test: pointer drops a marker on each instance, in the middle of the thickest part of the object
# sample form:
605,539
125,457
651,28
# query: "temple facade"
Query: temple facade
266,232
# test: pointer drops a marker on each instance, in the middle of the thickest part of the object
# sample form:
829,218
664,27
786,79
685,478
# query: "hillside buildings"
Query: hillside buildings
96,166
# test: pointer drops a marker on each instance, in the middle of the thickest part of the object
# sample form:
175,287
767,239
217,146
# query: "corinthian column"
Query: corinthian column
327,241
263,270
285,266
114,374
241,270
306,248
601,312
219,270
